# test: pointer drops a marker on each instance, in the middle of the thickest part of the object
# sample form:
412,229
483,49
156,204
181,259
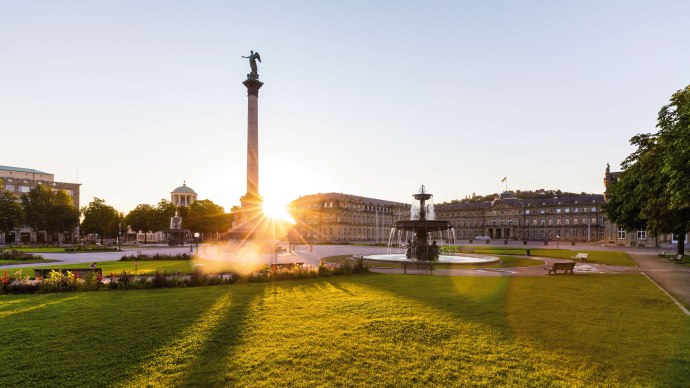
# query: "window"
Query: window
641,234
567,221
575,210
24,189
9,187
558,210
621,234
567,210
594,209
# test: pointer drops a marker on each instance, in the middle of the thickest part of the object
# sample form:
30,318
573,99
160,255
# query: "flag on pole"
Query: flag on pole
504,179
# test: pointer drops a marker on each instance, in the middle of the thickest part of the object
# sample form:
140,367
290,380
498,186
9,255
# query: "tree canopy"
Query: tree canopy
100,218
50,210
11,214
206,217
653,190
143,218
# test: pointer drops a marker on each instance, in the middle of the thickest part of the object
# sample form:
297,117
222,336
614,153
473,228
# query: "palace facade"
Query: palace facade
334,217
337,217
20,181
568,218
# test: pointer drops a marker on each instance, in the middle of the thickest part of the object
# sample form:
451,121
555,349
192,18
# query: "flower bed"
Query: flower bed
63,282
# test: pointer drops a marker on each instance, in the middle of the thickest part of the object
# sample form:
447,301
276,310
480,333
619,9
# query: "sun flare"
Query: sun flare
276,210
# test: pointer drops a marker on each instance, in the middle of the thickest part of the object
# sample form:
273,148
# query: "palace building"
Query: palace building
334,217
19,181
337,217
567,218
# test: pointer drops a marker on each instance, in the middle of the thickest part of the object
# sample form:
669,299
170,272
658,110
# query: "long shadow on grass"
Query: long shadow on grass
210,364
586,319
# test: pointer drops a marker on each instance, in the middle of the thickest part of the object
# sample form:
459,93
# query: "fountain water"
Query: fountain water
418,230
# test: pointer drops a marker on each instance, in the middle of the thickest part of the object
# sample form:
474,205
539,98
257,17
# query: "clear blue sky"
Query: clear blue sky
360,97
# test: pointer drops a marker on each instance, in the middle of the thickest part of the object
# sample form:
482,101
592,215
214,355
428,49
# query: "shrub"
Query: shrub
155,257
89,248
13,254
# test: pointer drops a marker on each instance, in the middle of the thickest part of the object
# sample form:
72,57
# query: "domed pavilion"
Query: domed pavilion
183,195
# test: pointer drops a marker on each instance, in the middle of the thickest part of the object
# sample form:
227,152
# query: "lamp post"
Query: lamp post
119,236
196,238
558,238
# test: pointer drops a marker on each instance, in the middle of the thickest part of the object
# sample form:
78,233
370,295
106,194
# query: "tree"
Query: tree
100,218
653,190
206,217
49,210
164,211
143,218
11,215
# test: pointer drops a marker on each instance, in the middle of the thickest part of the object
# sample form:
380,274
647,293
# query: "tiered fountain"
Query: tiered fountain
417,232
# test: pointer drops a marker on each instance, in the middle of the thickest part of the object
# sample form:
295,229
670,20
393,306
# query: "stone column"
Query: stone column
251,201
253,87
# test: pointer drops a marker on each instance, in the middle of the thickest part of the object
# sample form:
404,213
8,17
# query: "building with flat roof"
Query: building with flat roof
20,181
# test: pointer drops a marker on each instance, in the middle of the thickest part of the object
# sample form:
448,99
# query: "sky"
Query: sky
131,98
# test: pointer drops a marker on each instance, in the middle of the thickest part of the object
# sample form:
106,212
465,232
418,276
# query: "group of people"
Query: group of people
433,251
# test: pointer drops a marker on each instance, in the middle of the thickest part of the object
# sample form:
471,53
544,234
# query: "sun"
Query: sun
276,210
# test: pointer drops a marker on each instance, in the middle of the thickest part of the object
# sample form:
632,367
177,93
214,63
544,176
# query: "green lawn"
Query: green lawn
143,268
369,330
506,262
24,261
40,250
599,257
150,267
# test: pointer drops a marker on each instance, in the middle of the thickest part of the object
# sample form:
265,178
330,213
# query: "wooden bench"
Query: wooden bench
581,257
678,259
428,264
565,267
662,254
80,272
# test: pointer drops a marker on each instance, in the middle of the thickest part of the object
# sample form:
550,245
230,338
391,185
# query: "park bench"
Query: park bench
662,254
580,257
565,267
428,264
79,272
678,259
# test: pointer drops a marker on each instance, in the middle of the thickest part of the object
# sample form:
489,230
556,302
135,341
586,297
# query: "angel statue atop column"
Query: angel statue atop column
253,57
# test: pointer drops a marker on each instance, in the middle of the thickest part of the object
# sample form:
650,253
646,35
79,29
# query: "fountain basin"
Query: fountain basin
464,259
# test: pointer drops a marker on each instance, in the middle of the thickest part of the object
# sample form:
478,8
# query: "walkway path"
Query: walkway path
673,278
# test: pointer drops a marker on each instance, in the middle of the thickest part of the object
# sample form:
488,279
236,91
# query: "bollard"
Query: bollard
487,242
524,242
546,242
471,241
505,242
573,243
528,252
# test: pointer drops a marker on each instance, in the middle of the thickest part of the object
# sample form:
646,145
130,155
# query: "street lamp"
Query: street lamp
196,238
119,236
558,237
